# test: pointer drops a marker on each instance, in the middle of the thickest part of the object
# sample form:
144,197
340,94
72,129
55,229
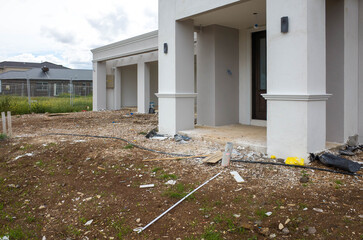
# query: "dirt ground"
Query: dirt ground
67,187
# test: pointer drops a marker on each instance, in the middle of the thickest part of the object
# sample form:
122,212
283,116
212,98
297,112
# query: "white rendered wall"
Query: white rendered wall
296,69
360,72
335,70
176,71
99,85
110,99
129,86
350,68
188,8
153,66
218,76
226,76
245,78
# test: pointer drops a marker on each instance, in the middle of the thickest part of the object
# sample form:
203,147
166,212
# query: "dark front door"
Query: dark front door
259,77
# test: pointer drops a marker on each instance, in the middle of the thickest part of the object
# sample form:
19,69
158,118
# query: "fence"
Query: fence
45,89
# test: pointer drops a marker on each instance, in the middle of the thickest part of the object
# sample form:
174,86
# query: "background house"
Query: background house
7,66
46,82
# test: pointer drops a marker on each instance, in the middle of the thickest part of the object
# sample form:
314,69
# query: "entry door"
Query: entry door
259,75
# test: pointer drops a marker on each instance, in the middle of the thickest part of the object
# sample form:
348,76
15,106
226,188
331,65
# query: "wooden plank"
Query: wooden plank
214,158
173,158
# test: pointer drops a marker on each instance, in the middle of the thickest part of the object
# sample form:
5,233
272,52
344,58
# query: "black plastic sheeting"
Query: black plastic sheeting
339,162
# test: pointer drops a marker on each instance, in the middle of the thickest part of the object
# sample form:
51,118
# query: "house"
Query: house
46,82
294,66
7,66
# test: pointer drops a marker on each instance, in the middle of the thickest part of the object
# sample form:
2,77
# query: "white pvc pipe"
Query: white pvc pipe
139,230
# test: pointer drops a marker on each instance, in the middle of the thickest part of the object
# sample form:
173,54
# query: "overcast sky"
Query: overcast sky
64,31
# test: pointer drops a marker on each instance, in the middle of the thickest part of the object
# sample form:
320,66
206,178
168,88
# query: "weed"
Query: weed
3,136
30,219
177,191
217,203
304,174
129,146
168,176
211,234
142,133
261,213
121,228
73,231
39,163
253,238
338,182
302,206
279,203
82,220
157,169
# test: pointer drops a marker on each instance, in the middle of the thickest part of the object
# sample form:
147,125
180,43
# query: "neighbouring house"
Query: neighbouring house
294,66
7,66
46,82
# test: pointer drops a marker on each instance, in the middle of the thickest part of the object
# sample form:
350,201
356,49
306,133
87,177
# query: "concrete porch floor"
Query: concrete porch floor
252,137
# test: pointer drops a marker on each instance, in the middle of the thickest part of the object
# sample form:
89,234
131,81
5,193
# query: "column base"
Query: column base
296,125
176,112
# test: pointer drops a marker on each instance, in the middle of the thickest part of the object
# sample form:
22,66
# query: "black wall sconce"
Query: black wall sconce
165,48
285,24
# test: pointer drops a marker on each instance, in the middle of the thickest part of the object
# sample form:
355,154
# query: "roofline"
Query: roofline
126,42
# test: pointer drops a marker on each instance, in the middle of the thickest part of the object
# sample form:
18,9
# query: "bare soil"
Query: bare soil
51,186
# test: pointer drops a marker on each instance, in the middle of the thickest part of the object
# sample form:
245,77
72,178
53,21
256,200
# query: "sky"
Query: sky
64,31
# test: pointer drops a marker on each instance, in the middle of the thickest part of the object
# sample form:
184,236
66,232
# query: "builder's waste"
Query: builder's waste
331,160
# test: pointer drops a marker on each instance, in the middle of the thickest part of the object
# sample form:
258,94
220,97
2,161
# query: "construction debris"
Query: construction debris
139,230
174,158
178,138
237,177
147,186
227,154
339,162
214,158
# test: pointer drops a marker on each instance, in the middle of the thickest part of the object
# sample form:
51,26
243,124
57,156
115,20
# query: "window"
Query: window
42,86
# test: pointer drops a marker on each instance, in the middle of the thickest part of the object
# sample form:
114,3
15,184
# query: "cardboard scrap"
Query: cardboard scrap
237,177
214,158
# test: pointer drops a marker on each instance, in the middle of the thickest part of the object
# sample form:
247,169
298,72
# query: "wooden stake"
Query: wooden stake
10,130
174,158
4,122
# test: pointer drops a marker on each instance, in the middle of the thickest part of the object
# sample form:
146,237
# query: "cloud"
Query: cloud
57,35
112,25
67,30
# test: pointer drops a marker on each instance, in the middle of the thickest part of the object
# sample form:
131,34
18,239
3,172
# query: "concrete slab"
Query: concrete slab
252,137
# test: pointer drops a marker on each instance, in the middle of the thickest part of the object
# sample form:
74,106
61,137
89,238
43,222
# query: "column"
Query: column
176,71
143,87
342,69
117,90
296,69
99,85
360,72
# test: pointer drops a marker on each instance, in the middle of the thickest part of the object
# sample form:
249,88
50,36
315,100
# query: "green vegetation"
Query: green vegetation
129,146
121,228
168,176
177,191
60,104
211,234
157,169
261,213
3,136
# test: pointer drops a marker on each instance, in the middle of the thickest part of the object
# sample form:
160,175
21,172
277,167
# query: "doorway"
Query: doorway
259,75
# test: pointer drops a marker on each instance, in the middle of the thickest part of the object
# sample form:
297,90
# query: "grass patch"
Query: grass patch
19,105
261,213
338,182
121,228
3,136
211,234
168,176
177,191
157,169
129,146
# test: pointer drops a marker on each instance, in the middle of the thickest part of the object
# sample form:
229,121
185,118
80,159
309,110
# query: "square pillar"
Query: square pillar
176,71
143,87
342,69
218,76
117,89
296,69
99,86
